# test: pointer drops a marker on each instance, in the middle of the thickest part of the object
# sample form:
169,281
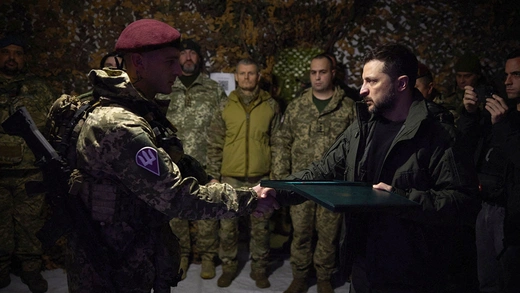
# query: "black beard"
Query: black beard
387,103
9,72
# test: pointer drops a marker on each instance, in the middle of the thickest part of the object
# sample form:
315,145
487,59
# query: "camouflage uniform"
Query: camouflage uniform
130,188
190,110
304,137
239,153
452,102
21,216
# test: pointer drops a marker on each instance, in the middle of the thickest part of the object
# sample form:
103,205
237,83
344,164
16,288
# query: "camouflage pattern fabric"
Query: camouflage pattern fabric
304,136
452,102
131,188
21,216
307,218
181,228
190,109
228,235
259,243
247,129
207,248
206,239
36,96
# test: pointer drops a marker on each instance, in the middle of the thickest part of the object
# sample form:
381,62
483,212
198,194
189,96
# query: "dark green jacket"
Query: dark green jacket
402,247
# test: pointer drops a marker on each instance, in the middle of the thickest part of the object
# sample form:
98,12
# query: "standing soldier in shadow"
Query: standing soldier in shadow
22,204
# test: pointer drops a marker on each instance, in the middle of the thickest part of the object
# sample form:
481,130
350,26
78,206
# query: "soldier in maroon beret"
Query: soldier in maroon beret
150,49
133,176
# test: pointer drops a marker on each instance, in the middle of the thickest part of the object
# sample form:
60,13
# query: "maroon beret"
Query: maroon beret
147,35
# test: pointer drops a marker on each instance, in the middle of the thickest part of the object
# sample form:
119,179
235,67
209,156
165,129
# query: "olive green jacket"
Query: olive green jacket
239,140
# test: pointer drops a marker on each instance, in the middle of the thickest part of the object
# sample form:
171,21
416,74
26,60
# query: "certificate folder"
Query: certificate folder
339,196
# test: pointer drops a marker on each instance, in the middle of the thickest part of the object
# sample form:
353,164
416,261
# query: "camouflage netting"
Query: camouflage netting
291,70
69,37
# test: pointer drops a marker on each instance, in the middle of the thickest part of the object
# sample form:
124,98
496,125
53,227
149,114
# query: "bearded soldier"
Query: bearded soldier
21,209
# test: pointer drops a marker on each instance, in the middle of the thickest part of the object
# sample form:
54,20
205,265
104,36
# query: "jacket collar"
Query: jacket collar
336,99
199,80
418,113
262,96
114,84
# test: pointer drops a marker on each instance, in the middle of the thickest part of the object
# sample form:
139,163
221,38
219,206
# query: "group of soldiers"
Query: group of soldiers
165,148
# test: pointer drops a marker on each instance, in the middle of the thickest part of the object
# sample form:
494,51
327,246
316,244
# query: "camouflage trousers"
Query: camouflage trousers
260,235
214,238
124,261
307,218
21,216
205,241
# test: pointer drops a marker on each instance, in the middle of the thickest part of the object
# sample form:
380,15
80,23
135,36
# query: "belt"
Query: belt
251,180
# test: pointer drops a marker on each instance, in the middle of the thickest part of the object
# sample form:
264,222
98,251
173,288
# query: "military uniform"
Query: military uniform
304,136
239,153
452,102
22,212
190,109
131,187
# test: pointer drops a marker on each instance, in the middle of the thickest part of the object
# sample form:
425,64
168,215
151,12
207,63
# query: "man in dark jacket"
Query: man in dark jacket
398,146
486,131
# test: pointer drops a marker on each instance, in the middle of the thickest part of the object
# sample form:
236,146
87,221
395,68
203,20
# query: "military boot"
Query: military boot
260,278
228,275
34,280
298,285
207,269
324,286
184,267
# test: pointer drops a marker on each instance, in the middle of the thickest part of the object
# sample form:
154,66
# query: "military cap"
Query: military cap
423,71
12,39
190,45
147,35
468,63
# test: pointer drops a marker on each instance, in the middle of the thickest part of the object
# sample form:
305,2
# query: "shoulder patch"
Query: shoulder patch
148,159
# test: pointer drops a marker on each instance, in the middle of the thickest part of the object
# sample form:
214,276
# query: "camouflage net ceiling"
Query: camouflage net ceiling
69,37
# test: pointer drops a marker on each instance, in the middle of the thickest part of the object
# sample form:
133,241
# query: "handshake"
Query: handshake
266,203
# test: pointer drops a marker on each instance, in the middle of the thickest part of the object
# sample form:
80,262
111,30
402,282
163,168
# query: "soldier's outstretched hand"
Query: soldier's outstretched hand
267,202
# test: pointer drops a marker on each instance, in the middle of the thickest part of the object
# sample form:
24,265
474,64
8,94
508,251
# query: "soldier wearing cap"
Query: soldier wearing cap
127,176
467,72
21,209
193,101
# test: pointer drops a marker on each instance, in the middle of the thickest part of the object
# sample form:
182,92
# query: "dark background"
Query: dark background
67,38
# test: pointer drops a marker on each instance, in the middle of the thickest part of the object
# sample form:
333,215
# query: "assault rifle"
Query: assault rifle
68,212
55,172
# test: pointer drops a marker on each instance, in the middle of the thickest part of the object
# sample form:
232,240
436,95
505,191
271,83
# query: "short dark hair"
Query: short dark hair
111,54
398,60
325,56
248,61
514,54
